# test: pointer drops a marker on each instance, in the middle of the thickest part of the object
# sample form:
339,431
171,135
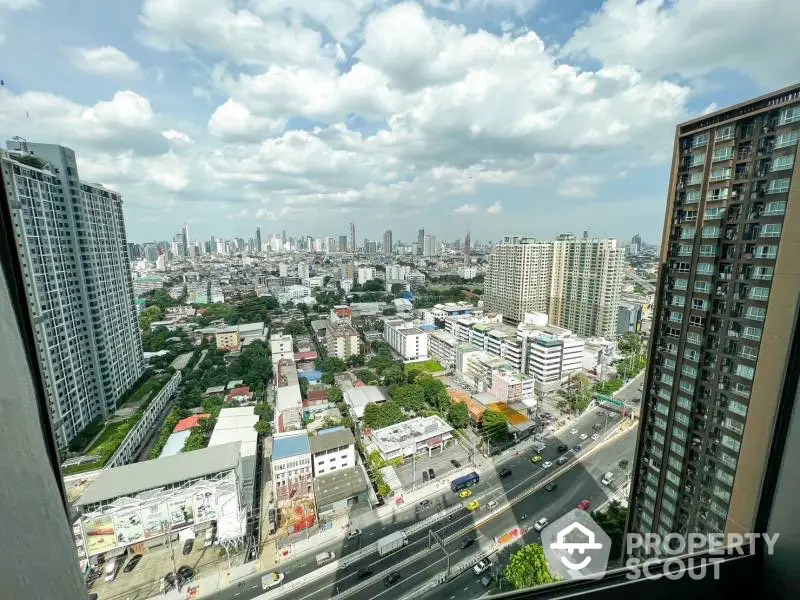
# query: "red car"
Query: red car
584,505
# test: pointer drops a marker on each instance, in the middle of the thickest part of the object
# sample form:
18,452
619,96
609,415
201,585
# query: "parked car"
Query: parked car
111,570
504,472
188,545
474,505
597,426
354,533
482,566
132,563
577,448
607,478
391,579
467,542
432,474
582,436
595,436
585,504
541,524
455,463
492,504
562,459
425,504
547,464
573,431
364,574
562,448
186,573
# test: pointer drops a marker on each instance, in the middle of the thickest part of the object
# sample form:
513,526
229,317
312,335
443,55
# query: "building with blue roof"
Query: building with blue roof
310,376
291,467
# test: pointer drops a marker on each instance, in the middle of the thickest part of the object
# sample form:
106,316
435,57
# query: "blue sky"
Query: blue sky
529,117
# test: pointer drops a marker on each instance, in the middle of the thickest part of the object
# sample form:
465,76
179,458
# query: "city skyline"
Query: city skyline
198,118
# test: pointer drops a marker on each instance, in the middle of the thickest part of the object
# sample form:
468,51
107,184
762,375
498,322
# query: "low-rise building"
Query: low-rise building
342,341
421,434
442,346
551,355
291,469
405,338
227,339
510,387
357,399
333,449
239,394
337,491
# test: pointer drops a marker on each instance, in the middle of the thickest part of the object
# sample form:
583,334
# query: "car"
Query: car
425,504
270,580
482,566
354,533
541,524
573,431
550,487
455,463
584,504
467,542
597,426
577,448
391,579
595,436
132,563
425,477
582,436
185,573
504,472
431,474
492,504
465,493
562,448
562,459
537,458
364,574
547,464
188,545
169,581
474,505
607,478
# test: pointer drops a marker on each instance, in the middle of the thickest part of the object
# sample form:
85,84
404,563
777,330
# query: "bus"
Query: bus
465,481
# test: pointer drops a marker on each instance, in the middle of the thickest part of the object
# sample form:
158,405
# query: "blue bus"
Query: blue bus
465,481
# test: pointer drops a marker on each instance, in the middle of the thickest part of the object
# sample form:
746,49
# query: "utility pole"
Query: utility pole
414,468
435,537
165,524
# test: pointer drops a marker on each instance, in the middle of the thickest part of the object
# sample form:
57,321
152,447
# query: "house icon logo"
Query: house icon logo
576,547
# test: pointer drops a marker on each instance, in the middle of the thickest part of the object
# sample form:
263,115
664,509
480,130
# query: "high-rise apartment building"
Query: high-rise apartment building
343,243
353,237
72,251
420,241
387,242
429,245
725,310
185,240
576,282
258,239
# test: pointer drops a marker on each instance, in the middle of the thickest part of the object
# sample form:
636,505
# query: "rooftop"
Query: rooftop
239,391
339,485
328,439
288,397
175,443
402,434
189,422
361,396
236,425
293,444
131,479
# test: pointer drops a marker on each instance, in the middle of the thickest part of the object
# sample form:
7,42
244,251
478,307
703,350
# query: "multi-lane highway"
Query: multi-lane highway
578,483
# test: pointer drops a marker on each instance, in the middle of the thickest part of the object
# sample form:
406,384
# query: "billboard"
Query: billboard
180,513
154,519
99,535
205,505
128,527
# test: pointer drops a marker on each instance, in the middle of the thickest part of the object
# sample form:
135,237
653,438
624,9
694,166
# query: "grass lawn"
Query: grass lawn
429,366
149,388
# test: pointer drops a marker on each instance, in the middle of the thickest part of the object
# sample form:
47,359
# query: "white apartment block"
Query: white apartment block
333,449
577,282
442,346
365,274
72,250
291,466
342,341
510,387
397,272
467,272
551,355
409,341
416,278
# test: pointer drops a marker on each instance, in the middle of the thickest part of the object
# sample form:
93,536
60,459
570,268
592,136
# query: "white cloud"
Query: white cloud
106,61
201,92
174,135
233,121
687,37
494,209
466,209
581,186
18,4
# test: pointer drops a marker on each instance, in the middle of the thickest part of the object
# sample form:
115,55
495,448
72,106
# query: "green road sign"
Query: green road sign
603,399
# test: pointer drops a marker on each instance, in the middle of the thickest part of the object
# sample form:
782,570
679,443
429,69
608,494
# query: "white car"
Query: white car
573,431
582,436
270,580
541,524
595,436
482,566
546,464
491,506
353,534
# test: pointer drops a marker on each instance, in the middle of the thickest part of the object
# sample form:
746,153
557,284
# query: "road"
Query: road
632,394
578,483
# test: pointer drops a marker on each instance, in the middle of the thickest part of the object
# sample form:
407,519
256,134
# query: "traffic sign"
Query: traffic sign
603,399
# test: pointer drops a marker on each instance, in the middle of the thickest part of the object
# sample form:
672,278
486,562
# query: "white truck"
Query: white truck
392,542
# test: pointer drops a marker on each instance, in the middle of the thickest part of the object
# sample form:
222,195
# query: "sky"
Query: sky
526,117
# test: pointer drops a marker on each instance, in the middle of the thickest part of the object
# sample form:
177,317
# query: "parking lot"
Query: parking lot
439,462
144,581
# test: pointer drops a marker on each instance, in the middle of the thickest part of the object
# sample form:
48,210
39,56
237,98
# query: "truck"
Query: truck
392,542
323,558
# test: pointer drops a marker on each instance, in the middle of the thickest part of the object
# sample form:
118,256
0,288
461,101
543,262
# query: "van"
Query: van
323,558
209,537
607,478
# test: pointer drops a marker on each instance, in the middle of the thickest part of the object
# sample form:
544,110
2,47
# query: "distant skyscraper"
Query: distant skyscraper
72,248
353,237
724,325
420,241
387,242
429,245
330,246
185,239
576,282
467,249
258,239
343,244
283,236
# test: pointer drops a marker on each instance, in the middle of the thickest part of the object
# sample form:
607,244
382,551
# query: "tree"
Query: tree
383,415
435,392
458,415
397,288
495,425
528,568
328,378
373,285
356,360
303,387
410,397
295,327
148,315
613,521
394,375
580,393
630,343
335,394
379,326
331,364
263,427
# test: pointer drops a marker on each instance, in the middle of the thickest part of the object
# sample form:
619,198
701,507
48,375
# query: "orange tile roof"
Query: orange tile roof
475,408
189,422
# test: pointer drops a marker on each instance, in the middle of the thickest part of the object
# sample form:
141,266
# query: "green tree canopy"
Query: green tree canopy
613,521
331,364
528,568
295,327
411,397
373,285
458,415
630,343
394,375
495,425
435,392
356,360
382,415
335,394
